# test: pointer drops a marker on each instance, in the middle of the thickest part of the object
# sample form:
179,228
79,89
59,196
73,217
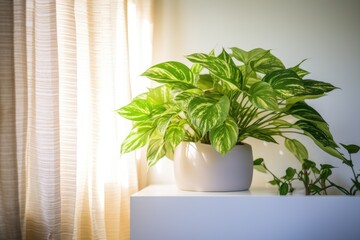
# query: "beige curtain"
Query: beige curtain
65,67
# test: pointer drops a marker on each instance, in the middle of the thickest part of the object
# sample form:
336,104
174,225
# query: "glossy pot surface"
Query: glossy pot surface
199,167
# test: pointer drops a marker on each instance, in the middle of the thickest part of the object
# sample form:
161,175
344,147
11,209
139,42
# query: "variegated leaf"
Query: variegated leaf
286,83
163,121
224,137
196,69
174,134
301,110
263,135
188,94
267,64
138,136
206,113
312,89
260,60
170,72
319,137
320,134
159,95
205,82
245,56
299,71
222,67
317,86
137,110
263,96
297,149
155,151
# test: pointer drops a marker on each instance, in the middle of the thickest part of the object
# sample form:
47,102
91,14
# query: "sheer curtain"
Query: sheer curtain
65,67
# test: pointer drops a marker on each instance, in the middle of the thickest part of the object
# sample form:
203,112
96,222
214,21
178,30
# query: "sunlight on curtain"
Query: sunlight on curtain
75,63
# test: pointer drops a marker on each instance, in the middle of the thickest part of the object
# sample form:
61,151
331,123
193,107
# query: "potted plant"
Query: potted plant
219,101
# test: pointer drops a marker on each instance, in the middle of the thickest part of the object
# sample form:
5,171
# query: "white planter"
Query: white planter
199,167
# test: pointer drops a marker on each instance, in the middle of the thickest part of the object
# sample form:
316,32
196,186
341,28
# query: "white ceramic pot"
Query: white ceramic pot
199,167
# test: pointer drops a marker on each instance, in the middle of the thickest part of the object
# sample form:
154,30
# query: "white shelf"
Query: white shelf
164,212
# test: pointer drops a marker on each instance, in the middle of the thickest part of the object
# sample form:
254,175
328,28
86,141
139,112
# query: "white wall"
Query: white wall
326,32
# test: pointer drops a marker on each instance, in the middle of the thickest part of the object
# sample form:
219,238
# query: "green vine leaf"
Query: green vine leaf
259,165
351,148
290,173
284,189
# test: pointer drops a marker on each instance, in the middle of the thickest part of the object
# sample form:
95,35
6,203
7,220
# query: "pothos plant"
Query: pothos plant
224,99
316,180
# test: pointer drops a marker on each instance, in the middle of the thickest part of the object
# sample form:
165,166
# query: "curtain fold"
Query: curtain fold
66,66
9,187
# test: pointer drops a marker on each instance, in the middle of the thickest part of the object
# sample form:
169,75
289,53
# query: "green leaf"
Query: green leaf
267,63
258,161
188,94
351,148
159,95
308,164
137,110
314,188
207,113
247,57
263,135
321,137
303,111
312,89
290,173
222,67
297,149
284,189
196,69
319,134
286,83
241,55
259,59
326,166
325,173
315,87
281,123
263,96
224,136
274,182
174,134
138,136
170,72
259,165
205,82
163,121
299,71
155,151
